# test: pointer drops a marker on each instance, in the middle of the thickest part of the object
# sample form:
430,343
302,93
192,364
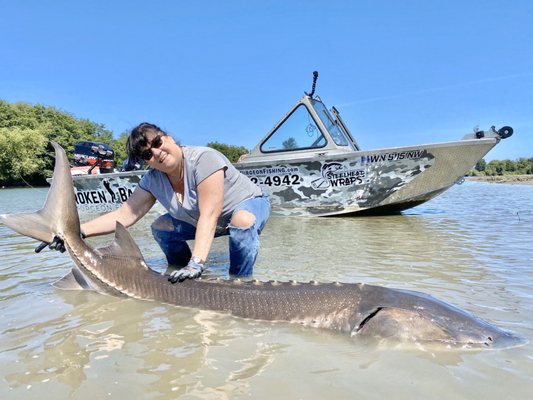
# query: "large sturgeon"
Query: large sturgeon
356,309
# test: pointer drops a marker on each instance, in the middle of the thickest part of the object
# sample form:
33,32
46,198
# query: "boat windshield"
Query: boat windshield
331,125
298,131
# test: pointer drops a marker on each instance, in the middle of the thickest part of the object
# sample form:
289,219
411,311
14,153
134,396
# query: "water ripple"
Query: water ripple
471,247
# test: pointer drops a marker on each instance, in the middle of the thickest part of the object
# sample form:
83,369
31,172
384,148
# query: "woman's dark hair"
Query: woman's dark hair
137,139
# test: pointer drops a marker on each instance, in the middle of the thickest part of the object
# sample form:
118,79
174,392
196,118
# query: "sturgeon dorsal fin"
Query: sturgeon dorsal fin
123,245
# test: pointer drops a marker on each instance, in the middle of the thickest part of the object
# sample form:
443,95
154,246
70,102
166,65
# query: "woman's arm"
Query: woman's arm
137,205
210,203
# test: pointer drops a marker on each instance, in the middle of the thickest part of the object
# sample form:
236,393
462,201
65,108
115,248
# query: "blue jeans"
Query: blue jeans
171,234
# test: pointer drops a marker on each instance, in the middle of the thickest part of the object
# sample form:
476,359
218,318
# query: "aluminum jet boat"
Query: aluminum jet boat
311,165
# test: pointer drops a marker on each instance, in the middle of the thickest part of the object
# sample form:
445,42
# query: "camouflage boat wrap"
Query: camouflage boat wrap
394,179
102,193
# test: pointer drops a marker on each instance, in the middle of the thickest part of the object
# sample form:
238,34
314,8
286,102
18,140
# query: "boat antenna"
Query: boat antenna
315,77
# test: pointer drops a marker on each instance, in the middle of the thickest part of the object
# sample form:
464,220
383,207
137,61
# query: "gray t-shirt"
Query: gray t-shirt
200,163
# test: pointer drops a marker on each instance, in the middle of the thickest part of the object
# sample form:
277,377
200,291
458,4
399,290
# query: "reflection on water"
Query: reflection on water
470,247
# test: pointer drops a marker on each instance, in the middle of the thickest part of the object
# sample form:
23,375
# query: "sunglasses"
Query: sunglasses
147,154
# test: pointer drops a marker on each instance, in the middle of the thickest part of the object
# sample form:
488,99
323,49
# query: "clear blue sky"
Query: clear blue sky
400,72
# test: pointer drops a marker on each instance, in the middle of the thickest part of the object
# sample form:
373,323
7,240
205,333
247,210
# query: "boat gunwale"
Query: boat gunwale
269,159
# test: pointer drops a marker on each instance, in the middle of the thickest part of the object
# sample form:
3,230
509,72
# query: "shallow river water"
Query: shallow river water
471,247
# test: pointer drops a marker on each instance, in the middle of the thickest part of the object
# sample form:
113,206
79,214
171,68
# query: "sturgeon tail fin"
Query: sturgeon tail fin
59,215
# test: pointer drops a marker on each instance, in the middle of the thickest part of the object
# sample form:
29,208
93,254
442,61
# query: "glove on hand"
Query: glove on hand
193,270
57,244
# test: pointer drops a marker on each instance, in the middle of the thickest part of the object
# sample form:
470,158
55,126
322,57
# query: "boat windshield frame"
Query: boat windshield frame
309,118
331,124
313,130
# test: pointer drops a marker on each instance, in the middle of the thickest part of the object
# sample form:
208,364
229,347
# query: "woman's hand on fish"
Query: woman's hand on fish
193,270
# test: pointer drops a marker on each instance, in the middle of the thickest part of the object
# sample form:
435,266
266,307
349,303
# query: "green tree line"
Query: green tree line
26,156
521,166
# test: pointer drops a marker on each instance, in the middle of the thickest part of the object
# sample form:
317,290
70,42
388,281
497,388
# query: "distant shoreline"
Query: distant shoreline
510,179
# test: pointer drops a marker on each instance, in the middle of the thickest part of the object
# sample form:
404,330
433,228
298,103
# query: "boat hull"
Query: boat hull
382,182
101,193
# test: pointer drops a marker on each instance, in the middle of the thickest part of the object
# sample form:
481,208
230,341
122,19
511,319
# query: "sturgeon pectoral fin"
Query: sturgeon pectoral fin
74,280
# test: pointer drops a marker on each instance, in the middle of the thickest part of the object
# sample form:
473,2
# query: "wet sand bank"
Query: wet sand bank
511,179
